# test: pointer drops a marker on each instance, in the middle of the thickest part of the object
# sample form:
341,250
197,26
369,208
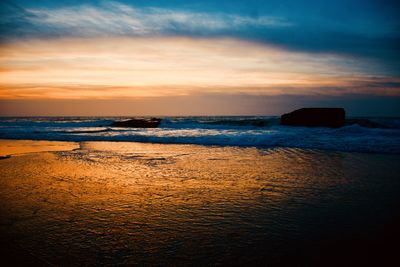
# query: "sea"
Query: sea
371,135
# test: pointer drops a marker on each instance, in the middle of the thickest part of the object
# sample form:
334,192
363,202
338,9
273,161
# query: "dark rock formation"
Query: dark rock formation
138,123
315,117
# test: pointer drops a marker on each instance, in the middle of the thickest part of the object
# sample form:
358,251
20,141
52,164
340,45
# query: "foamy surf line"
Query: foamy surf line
263,132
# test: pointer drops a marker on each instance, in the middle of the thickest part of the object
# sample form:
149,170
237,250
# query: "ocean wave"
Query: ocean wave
218,122
53,122
222,131
383,123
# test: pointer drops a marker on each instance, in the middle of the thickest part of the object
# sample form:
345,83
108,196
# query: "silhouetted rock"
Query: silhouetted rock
138,123
315,117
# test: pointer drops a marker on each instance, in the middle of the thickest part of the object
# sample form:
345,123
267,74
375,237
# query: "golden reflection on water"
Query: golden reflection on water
14,147
122,202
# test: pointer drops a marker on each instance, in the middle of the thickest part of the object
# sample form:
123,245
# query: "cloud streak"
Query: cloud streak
113,18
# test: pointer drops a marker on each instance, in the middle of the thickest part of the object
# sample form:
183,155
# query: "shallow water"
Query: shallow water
149,204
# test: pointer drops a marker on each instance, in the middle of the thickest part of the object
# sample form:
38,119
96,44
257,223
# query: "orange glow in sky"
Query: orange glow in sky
121,67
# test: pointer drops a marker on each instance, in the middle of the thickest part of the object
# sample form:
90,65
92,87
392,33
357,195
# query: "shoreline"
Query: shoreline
14,147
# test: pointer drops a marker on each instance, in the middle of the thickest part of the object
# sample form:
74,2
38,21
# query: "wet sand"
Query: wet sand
17,147
115,203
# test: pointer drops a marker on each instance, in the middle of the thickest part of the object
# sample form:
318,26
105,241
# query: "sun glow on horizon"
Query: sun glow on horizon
122,67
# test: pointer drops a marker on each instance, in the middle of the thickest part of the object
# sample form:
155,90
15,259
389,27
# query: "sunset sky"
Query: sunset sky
207,57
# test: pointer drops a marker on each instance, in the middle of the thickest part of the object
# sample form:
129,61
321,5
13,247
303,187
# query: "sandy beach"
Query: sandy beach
67,203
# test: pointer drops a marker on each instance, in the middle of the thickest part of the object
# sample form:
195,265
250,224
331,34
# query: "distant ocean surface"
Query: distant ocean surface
258,131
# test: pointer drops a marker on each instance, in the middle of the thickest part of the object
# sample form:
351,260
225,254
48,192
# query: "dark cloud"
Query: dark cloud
367,28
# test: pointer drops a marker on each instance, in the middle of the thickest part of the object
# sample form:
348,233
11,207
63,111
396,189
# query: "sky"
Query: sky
253,57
